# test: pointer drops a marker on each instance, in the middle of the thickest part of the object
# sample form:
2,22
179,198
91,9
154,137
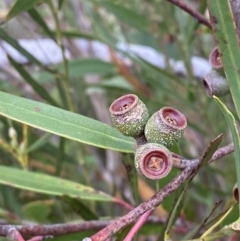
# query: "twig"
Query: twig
181,162
35,231
221,152
190,167
109,227
198,16
154,201
16,235
55,229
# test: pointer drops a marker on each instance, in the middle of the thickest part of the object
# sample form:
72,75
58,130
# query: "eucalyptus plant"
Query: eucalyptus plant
107,117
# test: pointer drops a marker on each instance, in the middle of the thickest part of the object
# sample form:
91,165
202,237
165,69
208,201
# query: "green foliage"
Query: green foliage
20,6
226,34
55,124
49,185
63,123
236,140
125,15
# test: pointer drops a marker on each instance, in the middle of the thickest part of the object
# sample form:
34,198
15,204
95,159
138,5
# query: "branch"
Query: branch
221,152
154,201
181,163
198,16
11,231
190,167
55,229
109,227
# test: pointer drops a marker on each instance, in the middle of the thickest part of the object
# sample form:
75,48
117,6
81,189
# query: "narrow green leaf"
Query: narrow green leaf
118,82
132,175
31,81
101,31
156,70
225,33
20,6
60,4
214,144
80,208
40,142
9,216
9,200
4,36
60,156
205,158
175,212
206,233
77,34
46,184
60,87
194,232
79,68
38,211
121,235
143,37
236,140
64,123
125,15
38,19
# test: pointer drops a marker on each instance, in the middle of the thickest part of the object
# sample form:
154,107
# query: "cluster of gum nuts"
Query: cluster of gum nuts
161,131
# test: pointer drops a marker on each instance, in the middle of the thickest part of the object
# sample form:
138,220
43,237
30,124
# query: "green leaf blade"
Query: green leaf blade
31,81
132,18
64,123
20,6
38,19
225,33
46,184
4,36
236,140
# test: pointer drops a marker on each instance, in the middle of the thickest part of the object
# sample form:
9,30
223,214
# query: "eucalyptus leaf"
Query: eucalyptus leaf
64,123
4,36
39,89
38,19
50,185
79,68
80,208
20,6
60,4
225,33
236,140
126,15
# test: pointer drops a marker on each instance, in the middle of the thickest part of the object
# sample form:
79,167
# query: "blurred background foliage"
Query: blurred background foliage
86,81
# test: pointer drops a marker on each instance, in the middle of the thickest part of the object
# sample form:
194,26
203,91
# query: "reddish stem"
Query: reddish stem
124,204
221,152
153,202
188,166
19,236
198,16
138,225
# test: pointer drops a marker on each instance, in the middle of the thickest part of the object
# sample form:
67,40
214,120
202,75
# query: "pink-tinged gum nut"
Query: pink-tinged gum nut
236,193
153,161
215,83
215,59
129,115
165,127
